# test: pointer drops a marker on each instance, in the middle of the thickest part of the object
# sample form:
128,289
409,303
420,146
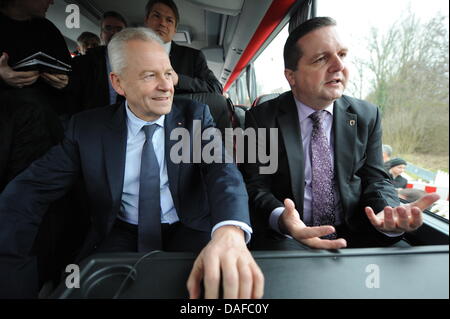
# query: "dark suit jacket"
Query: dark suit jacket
362,181
399,182
194,74
88,86
24,135
95,148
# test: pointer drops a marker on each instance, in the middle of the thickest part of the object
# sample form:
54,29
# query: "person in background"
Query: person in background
24,31
33,106
192,72
87,40
396,168
387,152
24,136
90,85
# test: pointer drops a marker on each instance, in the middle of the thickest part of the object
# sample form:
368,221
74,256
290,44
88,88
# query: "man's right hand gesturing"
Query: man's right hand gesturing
291,224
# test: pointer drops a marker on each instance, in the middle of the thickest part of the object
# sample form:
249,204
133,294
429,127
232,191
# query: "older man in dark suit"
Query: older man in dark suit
140,199
330,166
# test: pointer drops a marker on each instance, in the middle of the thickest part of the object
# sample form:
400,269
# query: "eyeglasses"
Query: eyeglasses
112,28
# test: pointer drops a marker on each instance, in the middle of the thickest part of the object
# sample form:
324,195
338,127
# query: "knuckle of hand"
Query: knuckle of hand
230,278
211,279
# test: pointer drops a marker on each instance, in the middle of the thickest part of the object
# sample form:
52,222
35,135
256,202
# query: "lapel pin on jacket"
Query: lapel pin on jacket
352,122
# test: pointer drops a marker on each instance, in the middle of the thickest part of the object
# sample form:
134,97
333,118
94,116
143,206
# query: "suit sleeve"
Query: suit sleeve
377,189
227,195
26,199
203,80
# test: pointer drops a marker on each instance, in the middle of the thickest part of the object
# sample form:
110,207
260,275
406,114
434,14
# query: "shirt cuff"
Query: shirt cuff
246,228
274,218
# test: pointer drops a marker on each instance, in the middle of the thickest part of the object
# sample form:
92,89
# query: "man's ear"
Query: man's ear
289,74
146,21
115,82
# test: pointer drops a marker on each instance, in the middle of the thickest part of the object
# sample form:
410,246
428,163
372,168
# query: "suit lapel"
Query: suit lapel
114,148
345,129
289,126
173,120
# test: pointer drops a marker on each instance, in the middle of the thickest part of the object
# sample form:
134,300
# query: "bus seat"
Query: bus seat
239,111
264,98
218,105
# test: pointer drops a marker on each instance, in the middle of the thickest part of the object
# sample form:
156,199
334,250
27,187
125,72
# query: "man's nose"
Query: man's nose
165,83
337,64
163,22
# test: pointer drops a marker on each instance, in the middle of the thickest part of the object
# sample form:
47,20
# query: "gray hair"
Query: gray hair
116,47
387,149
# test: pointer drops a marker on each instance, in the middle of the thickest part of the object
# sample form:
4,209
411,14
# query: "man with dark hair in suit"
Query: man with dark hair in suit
89,84
139,197
330,190
192,72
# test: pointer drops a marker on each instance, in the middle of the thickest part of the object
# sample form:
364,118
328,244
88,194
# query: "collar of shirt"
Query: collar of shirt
135,124
304,111
167,46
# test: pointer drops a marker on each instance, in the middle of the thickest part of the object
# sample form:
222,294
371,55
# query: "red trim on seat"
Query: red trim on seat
272,18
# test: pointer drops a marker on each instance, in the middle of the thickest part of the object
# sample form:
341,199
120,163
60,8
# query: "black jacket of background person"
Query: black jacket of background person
24,136
89,86
21,39
193,72
399,182
361,178
95,147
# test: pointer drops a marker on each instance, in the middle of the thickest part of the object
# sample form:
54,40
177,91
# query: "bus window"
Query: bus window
269,66
398,60
238,92
269,73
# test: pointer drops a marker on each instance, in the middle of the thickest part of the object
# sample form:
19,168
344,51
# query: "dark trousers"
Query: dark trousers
175,237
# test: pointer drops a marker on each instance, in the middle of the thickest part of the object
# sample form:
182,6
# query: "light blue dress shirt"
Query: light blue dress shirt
129,211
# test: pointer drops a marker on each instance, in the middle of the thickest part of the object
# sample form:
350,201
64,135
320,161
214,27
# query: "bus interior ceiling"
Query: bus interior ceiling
204,24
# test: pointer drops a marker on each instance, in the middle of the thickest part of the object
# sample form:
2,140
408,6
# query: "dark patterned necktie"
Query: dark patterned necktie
149,224
322,175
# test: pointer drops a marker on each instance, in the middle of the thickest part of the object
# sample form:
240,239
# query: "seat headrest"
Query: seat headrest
264,98
218,106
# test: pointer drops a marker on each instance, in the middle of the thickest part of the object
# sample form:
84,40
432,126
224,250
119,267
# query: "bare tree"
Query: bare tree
410,69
